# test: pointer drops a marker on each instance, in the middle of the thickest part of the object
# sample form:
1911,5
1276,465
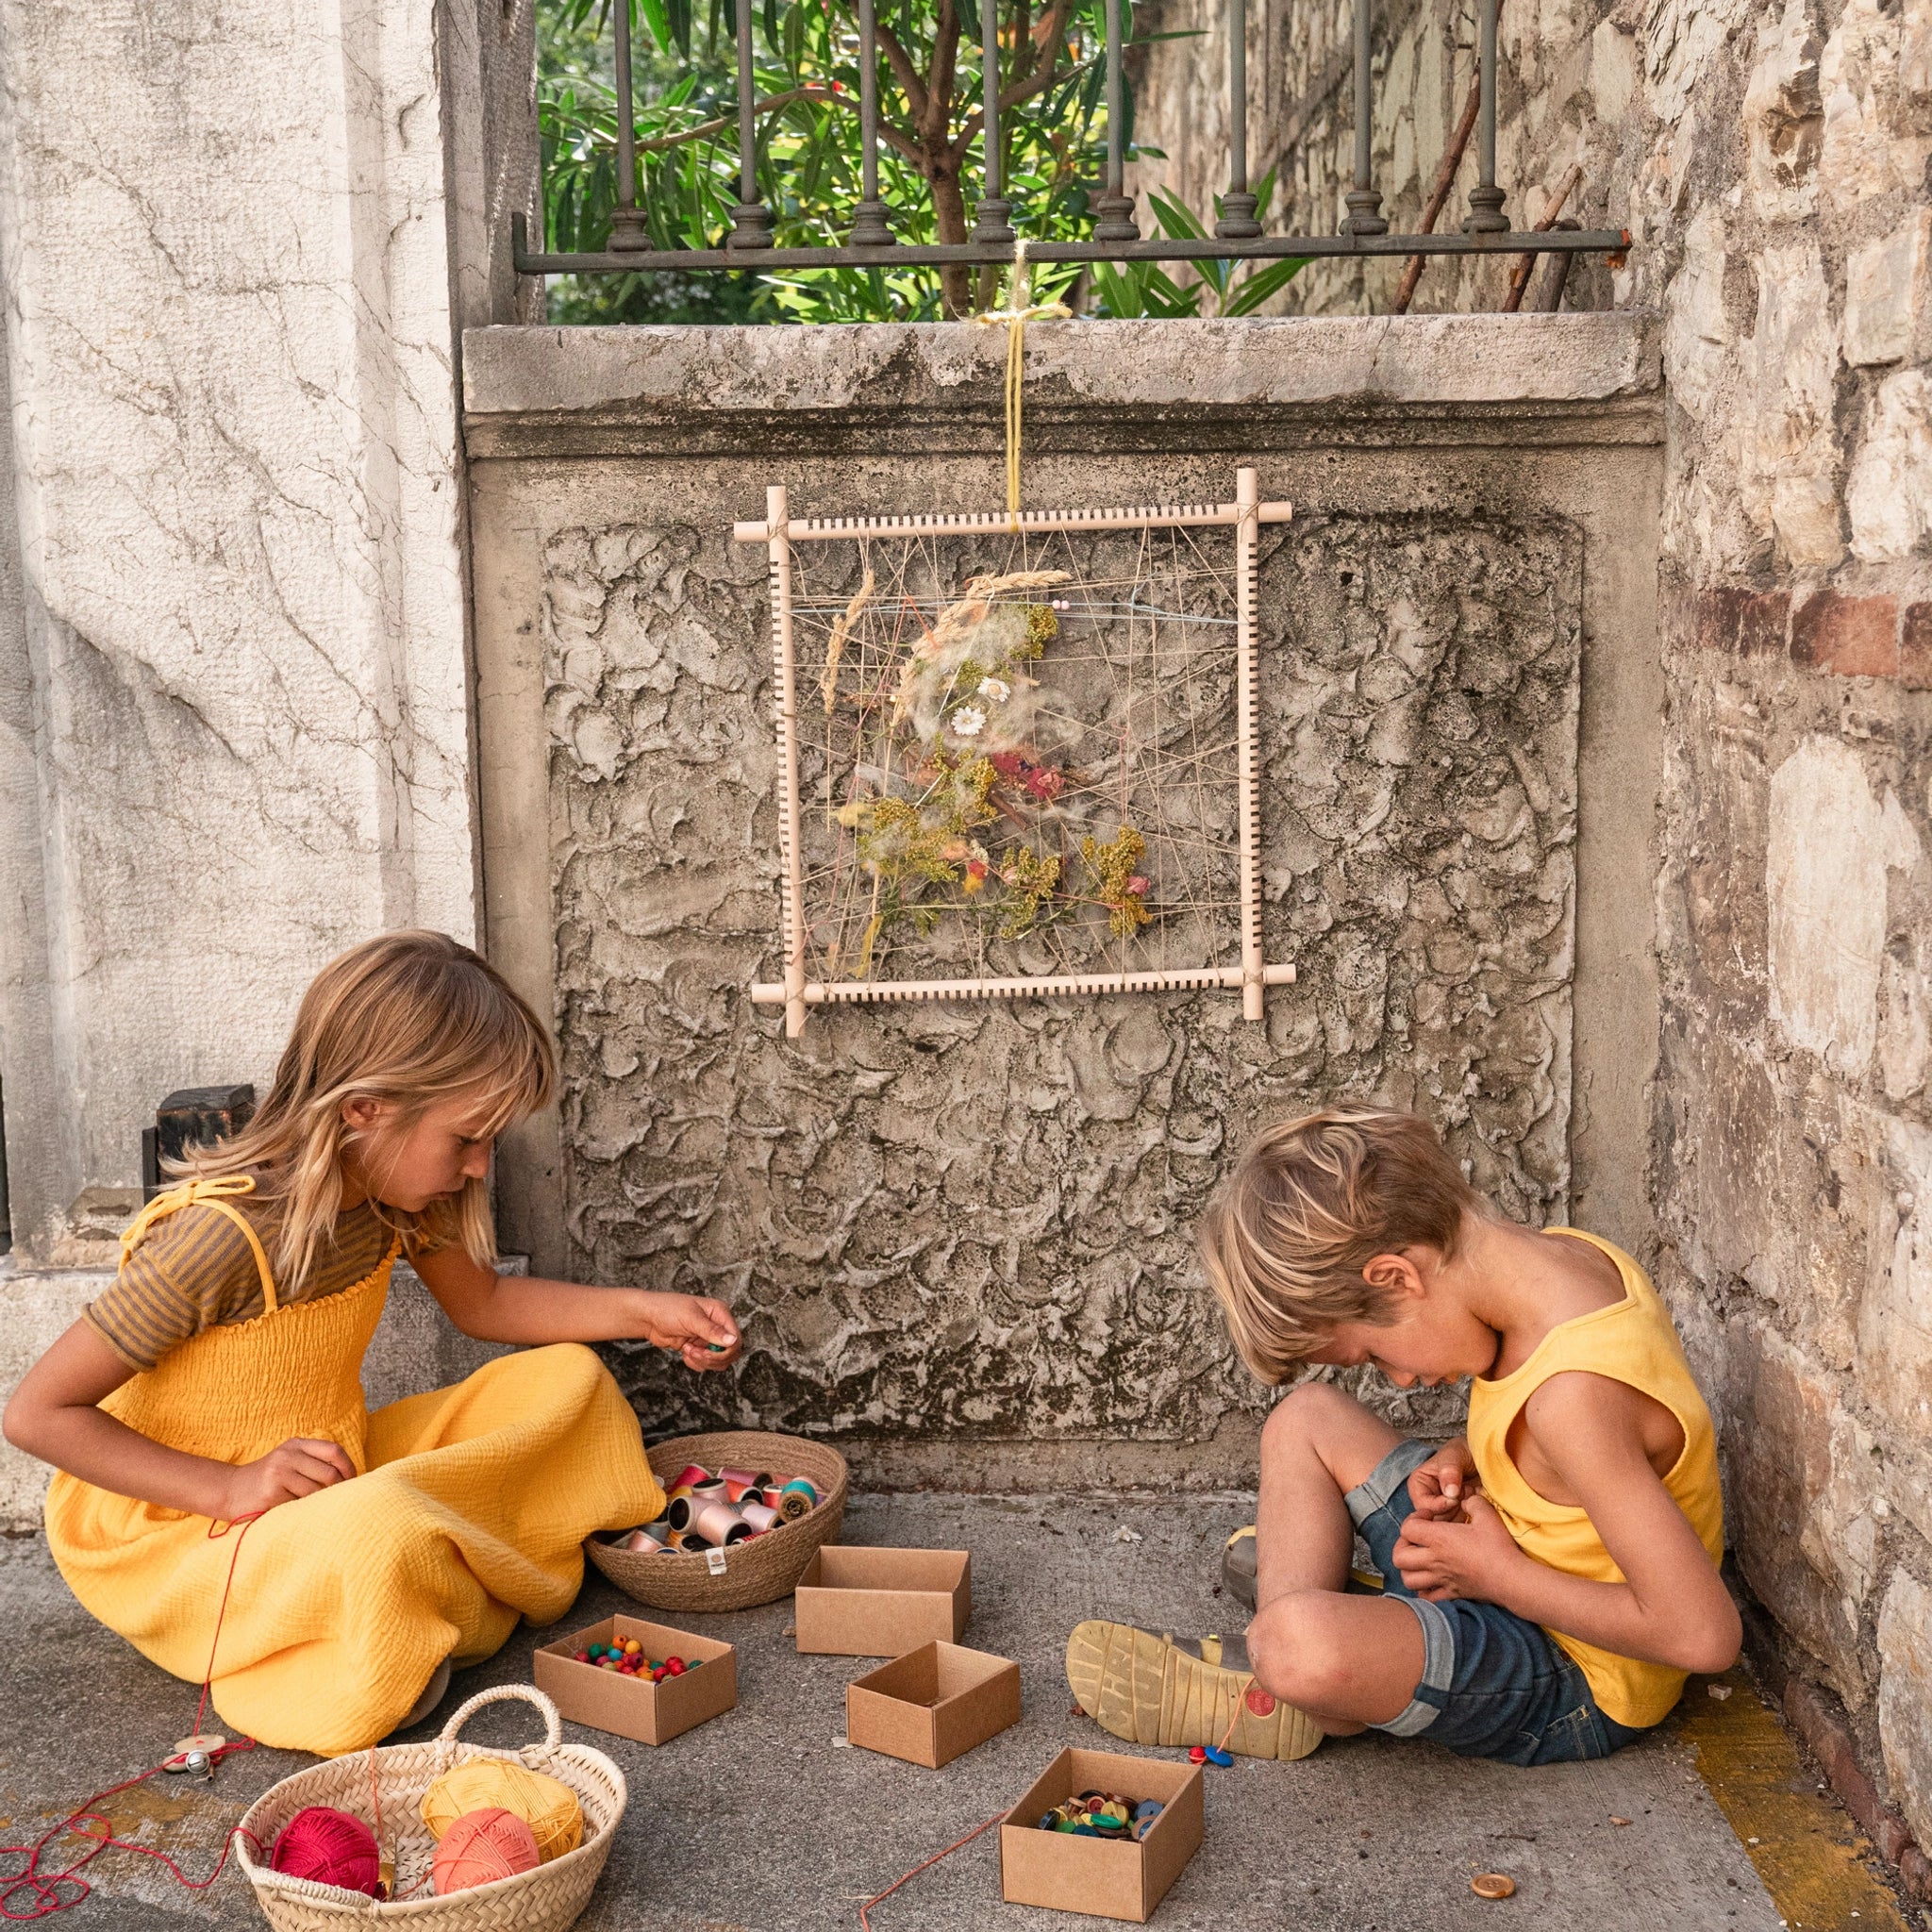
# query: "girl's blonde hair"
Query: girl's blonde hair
410,1018
1309,1205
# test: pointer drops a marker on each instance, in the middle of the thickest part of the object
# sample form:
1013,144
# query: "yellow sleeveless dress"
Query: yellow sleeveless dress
1632,1341
467,1511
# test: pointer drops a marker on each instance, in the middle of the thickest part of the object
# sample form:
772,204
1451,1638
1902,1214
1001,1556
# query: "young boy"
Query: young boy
1549,1578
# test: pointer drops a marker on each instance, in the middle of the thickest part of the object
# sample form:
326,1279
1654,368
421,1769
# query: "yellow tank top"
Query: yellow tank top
1631,1340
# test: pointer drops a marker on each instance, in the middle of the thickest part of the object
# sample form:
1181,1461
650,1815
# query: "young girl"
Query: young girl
219,1378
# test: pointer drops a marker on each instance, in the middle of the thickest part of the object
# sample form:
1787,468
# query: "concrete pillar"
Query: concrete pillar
239,247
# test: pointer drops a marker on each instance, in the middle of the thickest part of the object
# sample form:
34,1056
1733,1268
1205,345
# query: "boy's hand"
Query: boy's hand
1441,1559
700,1329
298,1468
1438,1487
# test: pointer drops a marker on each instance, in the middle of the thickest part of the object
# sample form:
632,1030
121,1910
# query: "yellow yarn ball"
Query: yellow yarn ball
549,1807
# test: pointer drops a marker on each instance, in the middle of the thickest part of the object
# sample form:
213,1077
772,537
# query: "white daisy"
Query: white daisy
969,721
996,689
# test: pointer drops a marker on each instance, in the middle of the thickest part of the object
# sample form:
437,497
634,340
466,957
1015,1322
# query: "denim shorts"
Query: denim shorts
1493,1685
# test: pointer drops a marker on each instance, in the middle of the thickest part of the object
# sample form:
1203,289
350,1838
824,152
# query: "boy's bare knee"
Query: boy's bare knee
1293,1651
1306,1408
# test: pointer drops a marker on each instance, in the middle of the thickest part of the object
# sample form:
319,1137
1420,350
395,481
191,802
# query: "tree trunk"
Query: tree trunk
949,221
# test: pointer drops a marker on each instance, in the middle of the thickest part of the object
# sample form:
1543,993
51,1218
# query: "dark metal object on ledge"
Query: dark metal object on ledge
1151,248
191,1117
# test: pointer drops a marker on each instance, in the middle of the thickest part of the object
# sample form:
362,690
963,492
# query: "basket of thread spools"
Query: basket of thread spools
744,1512
443,1836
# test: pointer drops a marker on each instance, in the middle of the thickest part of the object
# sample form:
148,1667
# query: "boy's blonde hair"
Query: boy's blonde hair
1309,1205
410,1018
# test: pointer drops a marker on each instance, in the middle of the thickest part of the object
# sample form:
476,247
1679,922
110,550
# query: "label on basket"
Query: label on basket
714,1562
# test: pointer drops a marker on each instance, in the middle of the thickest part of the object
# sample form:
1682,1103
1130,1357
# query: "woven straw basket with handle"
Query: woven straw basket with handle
758,1572
545,1900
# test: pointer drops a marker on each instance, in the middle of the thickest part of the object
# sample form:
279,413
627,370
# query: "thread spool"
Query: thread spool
719,1524
682,1507
689,1541
761,1516
741,1483
330,1847
689,1477
481,1847
546,1804
797,1498
645,1540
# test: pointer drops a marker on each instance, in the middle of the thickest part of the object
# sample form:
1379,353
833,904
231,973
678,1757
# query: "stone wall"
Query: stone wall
1771,161
959,1236
237,248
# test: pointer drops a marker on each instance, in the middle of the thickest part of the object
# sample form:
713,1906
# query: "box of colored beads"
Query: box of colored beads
1102,1832
638,1679
933,1705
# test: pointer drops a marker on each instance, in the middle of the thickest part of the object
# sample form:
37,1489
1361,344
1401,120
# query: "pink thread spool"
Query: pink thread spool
761,1516
330,1847
645,1539
719,1524
741,1483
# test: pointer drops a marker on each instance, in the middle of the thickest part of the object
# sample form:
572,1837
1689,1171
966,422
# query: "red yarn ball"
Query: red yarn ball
483,1845
331,1847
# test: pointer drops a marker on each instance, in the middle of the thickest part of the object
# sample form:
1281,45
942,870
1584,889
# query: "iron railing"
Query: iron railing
1238,235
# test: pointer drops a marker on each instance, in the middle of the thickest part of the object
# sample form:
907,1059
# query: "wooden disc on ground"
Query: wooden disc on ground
1492,1884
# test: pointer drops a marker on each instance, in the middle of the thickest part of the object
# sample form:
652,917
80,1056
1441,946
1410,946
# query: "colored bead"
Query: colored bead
631,1647
1197,1755
675,1665
583,1656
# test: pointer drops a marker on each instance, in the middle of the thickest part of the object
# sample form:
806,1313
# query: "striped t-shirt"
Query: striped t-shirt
194,1270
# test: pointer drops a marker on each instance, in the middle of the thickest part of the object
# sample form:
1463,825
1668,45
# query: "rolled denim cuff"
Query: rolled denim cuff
1385,1477
1438,1671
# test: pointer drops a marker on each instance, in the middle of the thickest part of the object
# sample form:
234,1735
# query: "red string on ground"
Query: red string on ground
865,1911
45,1887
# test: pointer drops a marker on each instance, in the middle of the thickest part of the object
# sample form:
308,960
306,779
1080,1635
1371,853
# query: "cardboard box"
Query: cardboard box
634,1707
855,1602
933,1705
1116,1878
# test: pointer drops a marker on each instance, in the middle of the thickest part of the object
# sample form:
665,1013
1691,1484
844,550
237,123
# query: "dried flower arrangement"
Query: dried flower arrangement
962,717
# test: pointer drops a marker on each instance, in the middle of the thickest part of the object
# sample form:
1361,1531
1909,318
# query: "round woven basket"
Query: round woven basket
545,1900
758,1572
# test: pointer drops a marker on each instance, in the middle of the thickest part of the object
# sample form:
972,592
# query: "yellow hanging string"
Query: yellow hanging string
1016,315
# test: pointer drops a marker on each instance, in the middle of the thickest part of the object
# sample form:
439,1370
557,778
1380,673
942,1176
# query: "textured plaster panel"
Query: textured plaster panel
229,335
1437,360
976,1221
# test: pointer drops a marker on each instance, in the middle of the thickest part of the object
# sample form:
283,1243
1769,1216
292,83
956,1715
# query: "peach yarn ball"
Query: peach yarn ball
547,1804
481,1847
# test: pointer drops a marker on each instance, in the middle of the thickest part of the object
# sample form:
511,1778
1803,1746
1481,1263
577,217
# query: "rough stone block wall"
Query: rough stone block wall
1771,161
949,1220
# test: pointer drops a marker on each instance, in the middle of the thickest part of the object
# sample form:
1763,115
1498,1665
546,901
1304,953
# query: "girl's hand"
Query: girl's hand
1473,1560
700,1329
300,1467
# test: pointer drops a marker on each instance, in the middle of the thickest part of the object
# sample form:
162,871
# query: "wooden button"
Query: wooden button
1492,1884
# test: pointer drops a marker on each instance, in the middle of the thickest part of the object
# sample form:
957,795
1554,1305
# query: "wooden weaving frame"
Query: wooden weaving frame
780,530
